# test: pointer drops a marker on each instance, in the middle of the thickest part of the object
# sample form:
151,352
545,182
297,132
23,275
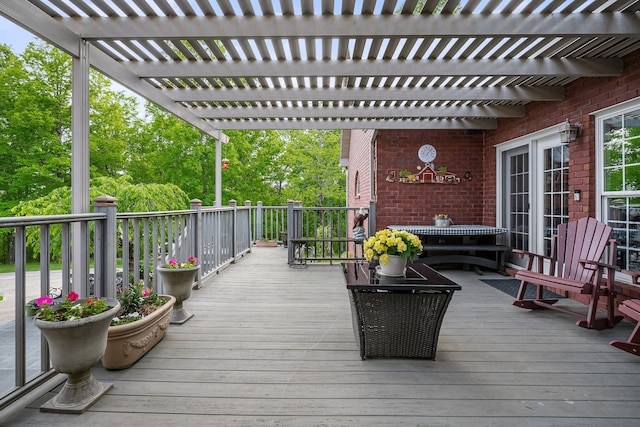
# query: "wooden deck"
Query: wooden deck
270,345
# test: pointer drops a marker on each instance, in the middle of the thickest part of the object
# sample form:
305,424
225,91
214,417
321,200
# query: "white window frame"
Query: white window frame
600,116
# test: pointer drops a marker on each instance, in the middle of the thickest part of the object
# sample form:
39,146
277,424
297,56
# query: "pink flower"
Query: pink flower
73,296
146,292
193,259
44,300
173,262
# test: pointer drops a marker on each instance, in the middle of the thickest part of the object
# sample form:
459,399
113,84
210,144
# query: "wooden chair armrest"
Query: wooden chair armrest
594,265
521,254
635,275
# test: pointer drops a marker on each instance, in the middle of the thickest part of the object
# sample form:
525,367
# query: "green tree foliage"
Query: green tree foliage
35,133
36,122
256,171
315,177
35,145
113,123
131,198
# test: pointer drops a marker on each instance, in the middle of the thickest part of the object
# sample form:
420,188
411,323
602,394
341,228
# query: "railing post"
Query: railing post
196,227
106,245
297,212
290,230
259,221
372,218
247,203
234,228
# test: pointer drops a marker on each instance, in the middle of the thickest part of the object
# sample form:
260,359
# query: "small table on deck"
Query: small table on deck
398,316
461,244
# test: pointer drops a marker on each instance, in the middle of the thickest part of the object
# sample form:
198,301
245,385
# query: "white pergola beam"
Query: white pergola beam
106,65
513,93
478,124
566,67
326,26
480,111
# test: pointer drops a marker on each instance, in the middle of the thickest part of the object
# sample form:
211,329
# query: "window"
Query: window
619,136
357,185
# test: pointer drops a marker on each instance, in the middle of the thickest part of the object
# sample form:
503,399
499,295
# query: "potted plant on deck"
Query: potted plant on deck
76,331
393,248
177,280
139,325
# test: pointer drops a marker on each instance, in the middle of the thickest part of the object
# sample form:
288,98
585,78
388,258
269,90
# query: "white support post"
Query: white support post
80,202
218,173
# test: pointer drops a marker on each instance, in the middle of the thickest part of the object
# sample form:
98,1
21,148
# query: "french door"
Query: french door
534,191
516,198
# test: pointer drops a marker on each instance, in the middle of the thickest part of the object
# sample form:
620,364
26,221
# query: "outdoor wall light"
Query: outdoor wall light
569,132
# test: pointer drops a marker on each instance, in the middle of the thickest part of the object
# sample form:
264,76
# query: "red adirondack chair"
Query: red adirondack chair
574,266
631,308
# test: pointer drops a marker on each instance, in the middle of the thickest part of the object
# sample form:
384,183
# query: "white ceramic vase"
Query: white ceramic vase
395,266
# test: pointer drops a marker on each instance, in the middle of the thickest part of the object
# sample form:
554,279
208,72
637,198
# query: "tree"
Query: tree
35,133
131,198
315,176
113,123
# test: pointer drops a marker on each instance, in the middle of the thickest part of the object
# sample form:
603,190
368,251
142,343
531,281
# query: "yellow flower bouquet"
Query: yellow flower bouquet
392,242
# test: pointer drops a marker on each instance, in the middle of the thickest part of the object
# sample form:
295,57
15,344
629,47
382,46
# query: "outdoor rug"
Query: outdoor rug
511,286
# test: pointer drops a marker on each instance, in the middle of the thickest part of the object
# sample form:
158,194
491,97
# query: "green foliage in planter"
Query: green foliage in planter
136,301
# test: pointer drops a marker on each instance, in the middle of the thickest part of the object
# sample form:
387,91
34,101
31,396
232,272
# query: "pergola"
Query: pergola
340,64
330,64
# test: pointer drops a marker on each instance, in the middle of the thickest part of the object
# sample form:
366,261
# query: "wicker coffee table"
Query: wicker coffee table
398,316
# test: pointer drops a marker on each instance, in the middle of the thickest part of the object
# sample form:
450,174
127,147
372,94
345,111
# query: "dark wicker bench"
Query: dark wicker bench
468,255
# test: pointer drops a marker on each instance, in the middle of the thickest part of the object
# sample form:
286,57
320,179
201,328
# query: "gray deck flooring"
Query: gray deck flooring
270,345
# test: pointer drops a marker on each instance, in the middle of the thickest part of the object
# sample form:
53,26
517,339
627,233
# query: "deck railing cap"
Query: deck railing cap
105,200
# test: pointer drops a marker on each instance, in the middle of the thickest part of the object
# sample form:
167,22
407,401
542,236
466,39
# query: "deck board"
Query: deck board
271,345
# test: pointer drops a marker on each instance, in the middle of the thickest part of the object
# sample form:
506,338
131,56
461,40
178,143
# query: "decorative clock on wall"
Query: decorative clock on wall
427,153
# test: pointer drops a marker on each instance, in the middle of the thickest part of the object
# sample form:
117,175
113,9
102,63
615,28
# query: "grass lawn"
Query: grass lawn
31,266
35,266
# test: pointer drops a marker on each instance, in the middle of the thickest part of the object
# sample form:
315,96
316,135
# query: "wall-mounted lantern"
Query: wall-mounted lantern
569,132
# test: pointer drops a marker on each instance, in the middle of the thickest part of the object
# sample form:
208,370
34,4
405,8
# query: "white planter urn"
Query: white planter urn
178,282
442,222
74,347
395,266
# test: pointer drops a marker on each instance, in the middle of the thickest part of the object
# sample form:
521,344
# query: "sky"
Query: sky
14,36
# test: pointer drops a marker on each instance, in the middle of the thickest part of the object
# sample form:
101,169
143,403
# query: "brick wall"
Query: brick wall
582,98
401,203
360,165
